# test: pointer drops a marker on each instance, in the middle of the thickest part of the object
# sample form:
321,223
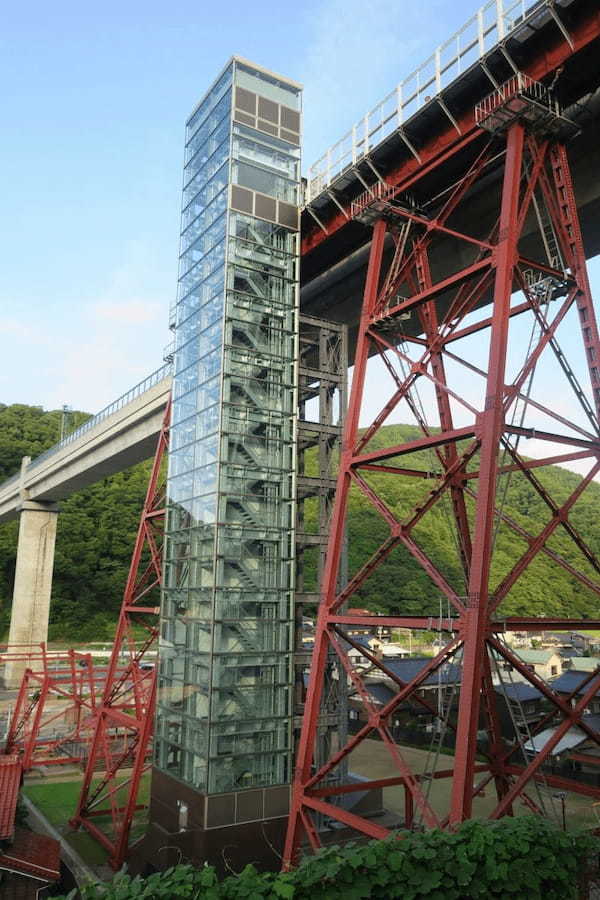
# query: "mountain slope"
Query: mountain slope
97,529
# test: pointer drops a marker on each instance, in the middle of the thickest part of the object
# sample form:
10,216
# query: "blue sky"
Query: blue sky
95,100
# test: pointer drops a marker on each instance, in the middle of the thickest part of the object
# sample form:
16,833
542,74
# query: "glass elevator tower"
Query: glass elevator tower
224,710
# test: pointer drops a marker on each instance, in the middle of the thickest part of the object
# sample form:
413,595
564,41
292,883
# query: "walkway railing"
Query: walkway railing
122,401
491,25
131,394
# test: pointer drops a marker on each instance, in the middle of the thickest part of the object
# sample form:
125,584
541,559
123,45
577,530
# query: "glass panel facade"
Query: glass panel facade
224,712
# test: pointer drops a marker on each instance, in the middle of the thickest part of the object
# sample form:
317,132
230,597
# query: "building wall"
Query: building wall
224,711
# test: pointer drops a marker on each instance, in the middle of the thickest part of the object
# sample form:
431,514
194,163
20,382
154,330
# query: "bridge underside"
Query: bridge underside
335,252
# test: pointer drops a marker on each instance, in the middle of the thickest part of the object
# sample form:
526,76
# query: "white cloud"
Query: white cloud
88,353
124,333
14,329
537,449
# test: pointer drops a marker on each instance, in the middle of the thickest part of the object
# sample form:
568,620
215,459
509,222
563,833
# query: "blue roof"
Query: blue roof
592,722
381,692
407,669
519,690
363,640
569,682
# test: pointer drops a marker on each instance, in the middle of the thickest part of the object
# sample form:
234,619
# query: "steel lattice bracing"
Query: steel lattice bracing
476,371
56,701
322,401
121,741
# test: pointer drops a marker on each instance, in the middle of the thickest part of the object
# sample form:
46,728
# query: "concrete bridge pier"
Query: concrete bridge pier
33,583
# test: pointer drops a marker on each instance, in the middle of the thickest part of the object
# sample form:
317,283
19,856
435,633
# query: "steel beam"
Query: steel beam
479,450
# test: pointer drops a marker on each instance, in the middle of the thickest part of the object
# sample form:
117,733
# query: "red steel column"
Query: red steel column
490,426
125,686
585,305
334,549
429,319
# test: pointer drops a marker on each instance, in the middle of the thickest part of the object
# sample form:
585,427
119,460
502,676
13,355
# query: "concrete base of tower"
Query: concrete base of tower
227,831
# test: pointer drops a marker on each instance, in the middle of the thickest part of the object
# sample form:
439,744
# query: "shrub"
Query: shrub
523,857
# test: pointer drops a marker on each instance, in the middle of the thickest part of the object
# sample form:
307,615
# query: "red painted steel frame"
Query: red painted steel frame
127,707
438,147
470,460
36,730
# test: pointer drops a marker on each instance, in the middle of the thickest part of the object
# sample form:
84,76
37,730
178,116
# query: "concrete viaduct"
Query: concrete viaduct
119,436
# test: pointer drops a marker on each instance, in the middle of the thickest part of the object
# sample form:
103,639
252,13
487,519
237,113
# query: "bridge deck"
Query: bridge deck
429,151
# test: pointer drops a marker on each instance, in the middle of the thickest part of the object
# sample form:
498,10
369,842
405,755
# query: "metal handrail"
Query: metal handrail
14,479
122,401
490,25
520,83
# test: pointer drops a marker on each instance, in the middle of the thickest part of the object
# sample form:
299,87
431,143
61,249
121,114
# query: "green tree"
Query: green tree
96,532
97,528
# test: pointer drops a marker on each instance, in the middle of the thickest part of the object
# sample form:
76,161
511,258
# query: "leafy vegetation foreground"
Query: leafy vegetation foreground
97,529
524,857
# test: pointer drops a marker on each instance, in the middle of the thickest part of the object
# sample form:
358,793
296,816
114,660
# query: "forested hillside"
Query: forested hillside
97,528
400,583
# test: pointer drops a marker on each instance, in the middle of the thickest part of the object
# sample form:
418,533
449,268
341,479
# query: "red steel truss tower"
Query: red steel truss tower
50,676
122,736
471,328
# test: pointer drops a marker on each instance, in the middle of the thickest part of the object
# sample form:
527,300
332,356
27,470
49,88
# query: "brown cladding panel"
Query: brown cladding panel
244,119
245,100
250,806
268,110
277,802
288,215
265,207
290,119
165,793
289,136
220,810
241,199
267,127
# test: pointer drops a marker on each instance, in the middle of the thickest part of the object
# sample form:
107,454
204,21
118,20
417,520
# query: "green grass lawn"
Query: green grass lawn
57,801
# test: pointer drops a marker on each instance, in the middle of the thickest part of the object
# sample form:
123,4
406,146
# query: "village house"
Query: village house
520,707
574,682
383,632
370,643
583,663
29,862
394,651
575,755
517,639
411,721
547,664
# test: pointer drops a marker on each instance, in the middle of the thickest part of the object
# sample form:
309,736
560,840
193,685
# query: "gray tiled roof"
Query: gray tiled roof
407,669
519,690
570,681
